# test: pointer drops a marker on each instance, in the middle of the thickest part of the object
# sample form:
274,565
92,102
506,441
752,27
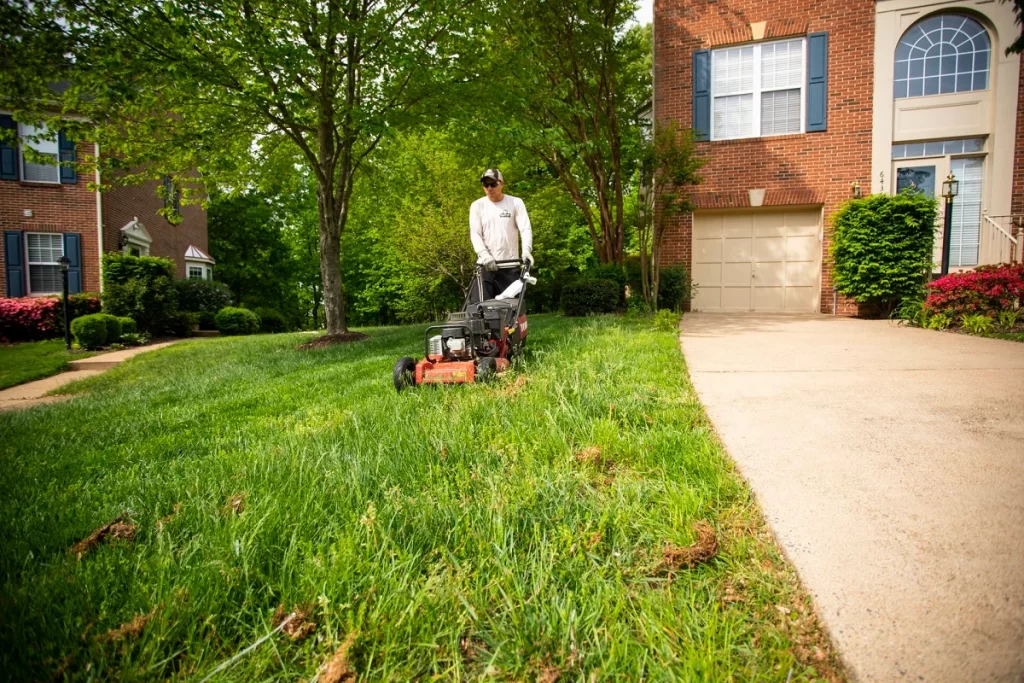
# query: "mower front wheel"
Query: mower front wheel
405,373
486,369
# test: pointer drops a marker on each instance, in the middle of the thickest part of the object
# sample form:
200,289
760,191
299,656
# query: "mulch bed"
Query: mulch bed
328,340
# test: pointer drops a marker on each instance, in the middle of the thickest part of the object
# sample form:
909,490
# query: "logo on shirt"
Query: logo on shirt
505,214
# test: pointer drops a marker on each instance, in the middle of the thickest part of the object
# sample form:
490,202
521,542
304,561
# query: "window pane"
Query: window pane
44,146
931,86
954,47
932,149
899,151
41,173
954,146
980,80
782,65
733,70
915,149
734,116
966,224
44,279
195,273
974,144
780,112
43,248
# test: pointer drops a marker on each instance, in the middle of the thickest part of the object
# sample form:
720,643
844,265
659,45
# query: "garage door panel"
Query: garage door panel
737,225
736,250
770,249
707,227
707,273
802,222
736,274
769,225
707,298
769,274
802,248
769,298
708,250
801,299
736,298
801,274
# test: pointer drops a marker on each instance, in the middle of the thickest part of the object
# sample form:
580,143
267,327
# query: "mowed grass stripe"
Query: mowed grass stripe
453,528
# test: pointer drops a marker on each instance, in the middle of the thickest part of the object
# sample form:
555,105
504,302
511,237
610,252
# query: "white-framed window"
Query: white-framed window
30,170
758,90
43,249
195,273
133,248
941,54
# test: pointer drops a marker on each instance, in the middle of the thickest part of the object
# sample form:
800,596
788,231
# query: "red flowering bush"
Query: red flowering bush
35,318
987,290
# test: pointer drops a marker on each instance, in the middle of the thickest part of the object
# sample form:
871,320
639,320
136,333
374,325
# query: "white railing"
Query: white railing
1002,240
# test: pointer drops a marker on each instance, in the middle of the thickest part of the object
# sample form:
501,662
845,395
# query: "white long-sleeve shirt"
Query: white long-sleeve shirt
494,228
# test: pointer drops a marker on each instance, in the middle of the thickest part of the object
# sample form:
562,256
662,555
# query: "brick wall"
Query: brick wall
812,168
55,208
1017,199
122,204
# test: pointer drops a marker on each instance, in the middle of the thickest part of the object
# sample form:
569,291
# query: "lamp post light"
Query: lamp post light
65,264
950,188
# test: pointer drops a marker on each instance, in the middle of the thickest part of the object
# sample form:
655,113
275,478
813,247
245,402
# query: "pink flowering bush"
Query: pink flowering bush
42,317
987,291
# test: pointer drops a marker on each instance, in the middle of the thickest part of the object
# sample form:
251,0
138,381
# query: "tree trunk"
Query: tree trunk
330,263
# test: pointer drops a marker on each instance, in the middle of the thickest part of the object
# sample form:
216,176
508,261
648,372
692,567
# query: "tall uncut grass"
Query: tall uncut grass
509,531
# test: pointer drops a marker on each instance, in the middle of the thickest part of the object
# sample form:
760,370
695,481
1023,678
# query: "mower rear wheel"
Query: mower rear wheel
486,369
405,373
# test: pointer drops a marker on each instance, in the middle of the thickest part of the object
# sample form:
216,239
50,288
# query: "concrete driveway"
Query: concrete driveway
890,463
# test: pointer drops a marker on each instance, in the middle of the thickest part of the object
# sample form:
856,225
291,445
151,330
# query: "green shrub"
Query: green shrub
939,321
231,320
90,331
140,287
674,287
882,247
198,296
134,338
113,327
271,320
1008,319
666,320
613,272
181,323
546,295
127,326
637,306
590,296
976,324
913,311
207,320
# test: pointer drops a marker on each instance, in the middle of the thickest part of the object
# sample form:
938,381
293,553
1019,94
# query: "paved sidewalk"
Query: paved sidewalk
890,464
34,393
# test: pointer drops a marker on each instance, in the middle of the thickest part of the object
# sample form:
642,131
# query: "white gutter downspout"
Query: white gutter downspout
99,215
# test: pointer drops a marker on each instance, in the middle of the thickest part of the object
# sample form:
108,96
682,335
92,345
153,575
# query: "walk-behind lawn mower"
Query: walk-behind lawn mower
476,343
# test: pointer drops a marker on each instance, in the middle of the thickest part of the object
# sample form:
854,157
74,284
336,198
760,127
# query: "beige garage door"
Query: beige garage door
757,261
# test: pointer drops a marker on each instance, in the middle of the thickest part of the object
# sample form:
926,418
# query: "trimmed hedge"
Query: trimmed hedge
197,296
590,296
90,331
113,328
181,324
231,321
673,287
127,326
140,287
271,320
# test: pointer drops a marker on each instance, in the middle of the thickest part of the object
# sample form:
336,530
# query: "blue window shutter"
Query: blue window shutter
66,147
702,95
817,81
14,263
73,250
8,150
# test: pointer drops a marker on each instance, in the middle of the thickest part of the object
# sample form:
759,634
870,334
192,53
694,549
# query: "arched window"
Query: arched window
945,53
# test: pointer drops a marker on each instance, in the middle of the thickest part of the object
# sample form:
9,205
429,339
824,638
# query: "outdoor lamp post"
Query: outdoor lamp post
950,188
65,264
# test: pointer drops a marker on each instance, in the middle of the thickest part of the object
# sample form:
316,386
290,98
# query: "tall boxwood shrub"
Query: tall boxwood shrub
140,287
882,247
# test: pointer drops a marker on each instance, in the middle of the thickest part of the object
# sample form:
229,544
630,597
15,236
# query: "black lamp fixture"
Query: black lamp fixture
65,266
950,189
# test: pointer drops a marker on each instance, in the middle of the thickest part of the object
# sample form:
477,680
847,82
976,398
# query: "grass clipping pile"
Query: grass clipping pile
327,340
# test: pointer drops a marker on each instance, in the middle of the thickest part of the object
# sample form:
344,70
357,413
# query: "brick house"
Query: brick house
47,211
798,105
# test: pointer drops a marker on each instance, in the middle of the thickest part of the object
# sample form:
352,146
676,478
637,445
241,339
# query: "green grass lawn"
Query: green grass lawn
513,531
1008,336
20,363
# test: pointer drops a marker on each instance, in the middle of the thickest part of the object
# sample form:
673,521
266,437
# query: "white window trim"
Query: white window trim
757,89
206,268
29,264
138,244
21,159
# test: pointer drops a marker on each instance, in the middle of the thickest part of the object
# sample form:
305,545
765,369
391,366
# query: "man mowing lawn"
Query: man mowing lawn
254,512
